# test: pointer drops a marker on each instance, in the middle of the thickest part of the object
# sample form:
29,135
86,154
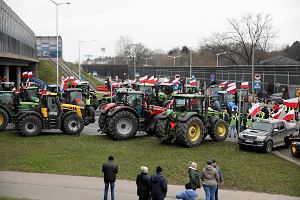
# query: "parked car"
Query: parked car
267,134
277,97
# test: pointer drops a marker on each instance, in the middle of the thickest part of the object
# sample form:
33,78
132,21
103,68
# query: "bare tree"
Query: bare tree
245,35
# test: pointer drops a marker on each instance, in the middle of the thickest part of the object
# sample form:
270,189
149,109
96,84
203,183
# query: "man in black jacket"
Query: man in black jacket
159,186
110,169
143,184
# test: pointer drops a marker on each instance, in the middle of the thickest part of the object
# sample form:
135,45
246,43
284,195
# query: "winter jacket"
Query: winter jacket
187,195
194,179
159,187
143,186
110,169
209,176
221,178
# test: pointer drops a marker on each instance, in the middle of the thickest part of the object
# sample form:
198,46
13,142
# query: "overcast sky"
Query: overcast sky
159,24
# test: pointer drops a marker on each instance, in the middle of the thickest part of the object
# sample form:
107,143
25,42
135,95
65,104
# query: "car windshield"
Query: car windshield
263,126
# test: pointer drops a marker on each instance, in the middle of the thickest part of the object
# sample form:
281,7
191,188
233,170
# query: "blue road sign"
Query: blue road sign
257,85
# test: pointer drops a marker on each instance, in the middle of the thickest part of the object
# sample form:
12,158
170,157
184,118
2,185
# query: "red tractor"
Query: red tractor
130,113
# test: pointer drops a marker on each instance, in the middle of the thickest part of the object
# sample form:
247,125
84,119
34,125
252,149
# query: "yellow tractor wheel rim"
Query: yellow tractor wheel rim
221,130
1,119
194,132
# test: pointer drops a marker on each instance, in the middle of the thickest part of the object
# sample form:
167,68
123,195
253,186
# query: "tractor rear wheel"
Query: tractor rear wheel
102,121
30,125
161,131
191,132
3,119
73,124
220,130
123,125
90,115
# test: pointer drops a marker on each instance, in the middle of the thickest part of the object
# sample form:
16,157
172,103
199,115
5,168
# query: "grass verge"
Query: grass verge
84,155
11,198
47,72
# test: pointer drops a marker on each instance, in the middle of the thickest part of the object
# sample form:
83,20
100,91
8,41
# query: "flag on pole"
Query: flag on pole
223,84
291,102
244,85
276,115
231,88
254,109
25,74
143,79
193,82
30,75
290,115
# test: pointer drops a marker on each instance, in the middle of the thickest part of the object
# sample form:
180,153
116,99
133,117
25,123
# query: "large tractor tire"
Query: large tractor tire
220,130
103,126
30,125
90,115
191,132
123,125
161,131
3,119
73,124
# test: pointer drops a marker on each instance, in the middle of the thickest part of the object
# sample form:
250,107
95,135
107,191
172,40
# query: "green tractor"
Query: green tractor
50,114
75,96
188,122
30,94
10,105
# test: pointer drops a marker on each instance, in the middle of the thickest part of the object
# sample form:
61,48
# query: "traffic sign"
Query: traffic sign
257,85
277,84
257,77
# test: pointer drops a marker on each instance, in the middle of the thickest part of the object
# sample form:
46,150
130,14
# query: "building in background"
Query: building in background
47,44
17,45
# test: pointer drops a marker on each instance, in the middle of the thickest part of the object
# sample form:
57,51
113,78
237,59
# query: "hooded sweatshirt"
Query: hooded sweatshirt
210,175
187,195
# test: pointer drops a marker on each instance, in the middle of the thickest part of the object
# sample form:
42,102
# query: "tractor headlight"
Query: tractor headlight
261,138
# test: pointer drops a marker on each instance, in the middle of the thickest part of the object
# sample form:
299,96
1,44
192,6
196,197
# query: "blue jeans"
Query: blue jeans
232,131
112,190
210,191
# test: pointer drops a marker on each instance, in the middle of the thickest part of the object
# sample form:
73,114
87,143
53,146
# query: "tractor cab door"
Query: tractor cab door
53,107
136,102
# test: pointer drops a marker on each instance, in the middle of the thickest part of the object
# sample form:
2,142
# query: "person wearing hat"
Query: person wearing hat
143,184
194,179
214,164
159,186
210,178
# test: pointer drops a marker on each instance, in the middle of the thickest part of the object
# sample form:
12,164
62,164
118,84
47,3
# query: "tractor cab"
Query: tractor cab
166,88
190,89
188,103
53,88
7,86
74,96
30,94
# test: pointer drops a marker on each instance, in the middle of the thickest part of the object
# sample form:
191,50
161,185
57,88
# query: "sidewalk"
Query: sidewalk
63,187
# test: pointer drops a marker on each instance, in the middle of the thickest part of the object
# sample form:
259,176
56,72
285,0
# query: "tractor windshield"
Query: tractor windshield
146,89
182,104
167,89
75,95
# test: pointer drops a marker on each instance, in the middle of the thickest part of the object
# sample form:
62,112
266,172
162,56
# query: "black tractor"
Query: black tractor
88,93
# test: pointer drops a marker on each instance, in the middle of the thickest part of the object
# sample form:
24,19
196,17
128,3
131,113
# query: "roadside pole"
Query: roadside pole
239,116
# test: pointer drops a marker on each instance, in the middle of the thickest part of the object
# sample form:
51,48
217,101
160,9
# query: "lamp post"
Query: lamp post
79,63
57,4
174,57
133,54
218,57
146,59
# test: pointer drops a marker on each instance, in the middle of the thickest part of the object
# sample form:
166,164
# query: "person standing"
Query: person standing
221,180
188,194
110,169
232,125
210,178
159,186
194,179
143,184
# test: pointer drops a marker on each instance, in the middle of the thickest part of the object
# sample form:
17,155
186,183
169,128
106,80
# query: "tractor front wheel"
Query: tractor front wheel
3,119
161,131
102,121
72,124
30,125
123,125
220,130
191,132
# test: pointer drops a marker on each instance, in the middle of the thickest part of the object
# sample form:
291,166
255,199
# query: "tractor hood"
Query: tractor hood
27,106
107,107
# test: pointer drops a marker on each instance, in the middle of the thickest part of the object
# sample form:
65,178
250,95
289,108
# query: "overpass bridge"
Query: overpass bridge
17,45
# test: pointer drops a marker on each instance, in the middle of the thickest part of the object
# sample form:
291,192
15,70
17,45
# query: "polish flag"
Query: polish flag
75,83
30,75
291,102
133,81
276,115
231,88
244,85
290,115
254,109
143,79
150,80
223,84
155,80
115,84
25,75
193,82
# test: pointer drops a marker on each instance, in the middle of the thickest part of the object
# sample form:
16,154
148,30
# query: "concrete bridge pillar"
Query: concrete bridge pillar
18,73
6,72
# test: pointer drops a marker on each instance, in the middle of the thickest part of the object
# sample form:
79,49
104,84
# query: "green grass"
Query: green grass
47,72
10,198
84,155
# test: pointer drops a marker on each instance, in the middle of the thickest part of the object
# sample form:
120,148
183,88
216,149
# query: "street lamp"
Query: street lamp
127,60
174,57
57,4
218,57
146,60
133,54
252,64
79,63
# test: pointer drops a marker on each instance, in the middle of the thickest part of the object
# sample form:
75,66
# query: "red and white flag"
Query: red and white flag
290,115
231,88
25,75
30,75
193,82
254,109
150,80
223,84
155,80
143,79
291,102
276,115
244,85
